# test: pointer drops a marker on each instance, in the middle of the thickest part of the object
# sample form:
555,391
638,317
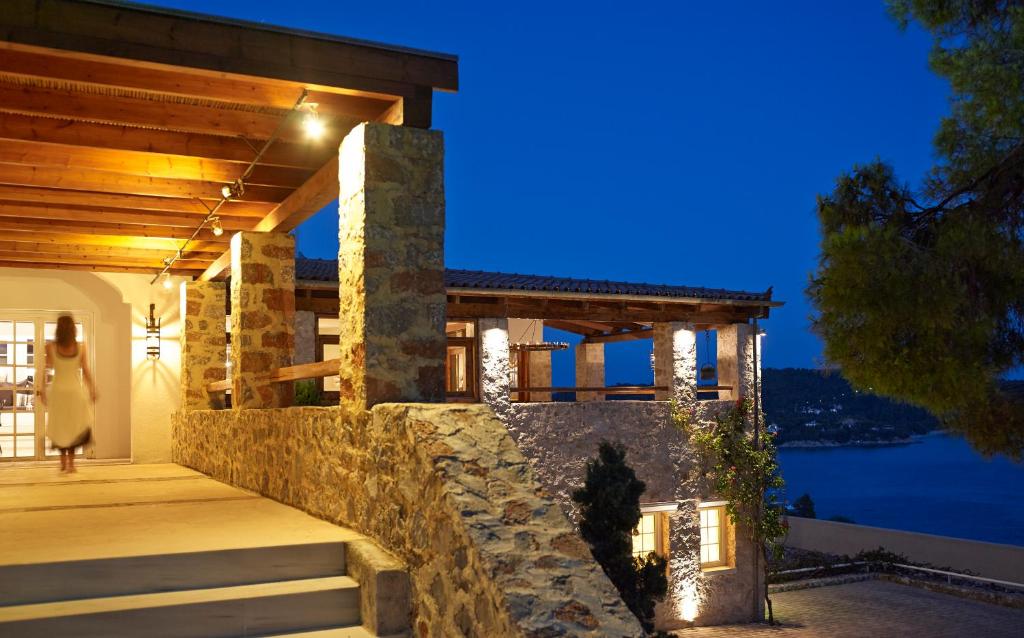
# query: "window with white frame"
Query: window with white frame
713,546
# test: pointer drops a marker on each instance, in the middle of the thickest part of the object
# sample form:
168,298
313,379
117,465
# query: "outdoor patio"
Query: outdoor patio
874,608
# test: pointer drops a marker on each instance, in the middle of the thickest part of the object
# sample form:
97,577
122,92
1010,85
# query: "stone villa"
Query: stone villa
152,166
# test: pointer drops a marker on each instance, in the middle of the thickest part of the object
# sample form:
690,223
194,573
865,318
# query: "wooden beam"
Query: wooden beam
98,260
313,370
222,264
117,216
8,225
318,191
58,197
145,164
572,326
102,181
92,134
36,265
40,63
160,115
153,36
645,333
302,204
64,237
414,110
102,251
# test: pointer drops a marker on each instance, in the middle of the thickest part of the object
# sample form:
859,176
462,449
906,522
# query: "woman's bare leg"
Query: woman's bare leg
63,460
71,461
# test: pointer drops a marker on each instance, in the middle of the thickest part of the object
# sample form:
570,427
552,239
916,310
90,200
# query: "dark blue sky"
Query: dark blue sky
668,142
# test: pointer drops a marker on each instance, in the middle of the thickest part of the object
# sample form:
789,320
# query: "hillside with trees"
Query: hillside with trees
820,407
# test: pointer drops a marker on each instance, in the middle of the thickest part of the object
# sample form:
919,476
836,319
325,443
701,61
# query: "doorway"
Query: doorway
22,373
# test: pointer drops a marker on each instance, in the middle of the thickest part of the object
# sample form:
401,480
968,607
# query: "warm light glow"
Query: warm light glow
313,125
225,191
167,281
688,606
215,225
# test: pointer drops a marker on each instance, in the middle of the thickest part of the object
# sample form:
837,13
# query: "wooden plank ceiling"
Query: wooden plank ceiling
118,123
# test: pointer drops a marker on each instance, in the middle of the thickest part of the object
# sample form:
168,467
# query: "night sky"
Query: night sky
664,142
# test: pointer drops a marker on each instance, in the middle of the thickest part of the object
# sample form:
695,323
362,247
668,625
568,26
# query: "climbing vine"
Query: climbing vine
744,472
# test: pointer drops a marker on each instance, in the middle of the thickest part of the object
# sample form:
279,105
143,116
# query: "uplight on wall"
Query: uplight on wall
152,335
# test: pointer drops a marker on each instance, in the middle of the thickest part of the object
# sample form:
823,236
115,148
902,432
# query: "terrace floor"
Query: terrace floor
110,511
875,609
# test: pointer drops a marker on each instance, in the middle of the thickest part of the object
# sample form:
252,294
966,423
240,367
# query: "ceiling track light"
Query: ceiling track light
314,128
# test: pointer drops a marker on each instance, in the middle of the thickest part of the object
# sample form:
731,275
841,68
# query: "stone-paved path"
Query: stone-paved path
875,609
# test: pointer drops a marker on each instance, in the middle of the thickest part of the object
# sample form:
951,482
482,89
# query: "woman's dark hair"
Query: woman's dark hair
65,330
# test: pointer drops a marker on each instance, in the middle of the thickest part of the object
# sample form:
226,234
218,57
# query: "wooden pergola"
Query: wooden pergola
120,125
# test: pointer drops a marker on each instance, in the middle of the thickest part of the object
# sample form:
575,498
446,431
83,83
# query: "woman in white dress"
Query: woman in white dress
69,424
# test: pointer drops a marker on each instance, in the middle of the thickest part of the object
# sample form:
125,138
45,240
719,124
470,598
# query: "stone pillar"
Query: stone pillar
495,375
540,374
262,318
203,343
675,362
735,360
391,266
305,337
589,370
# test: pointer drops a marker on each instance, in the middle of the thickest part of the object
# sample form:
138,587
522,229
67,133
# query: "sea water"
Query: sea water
938,485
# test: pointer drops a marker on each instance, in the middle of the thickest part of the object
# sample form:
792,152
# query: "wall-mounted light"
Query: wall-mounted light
152,335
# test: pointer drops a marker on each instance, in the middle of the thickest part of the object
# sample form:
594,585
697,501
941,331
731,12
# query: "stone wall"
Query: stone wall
443,487
391,265
203,343
559,439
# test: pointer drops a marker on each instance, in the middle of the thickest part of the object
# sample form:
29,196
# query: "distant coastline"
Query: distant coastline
812,445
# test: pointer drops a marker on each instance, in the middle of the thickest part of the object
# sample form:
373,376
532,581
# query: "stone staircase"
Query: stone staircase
299,590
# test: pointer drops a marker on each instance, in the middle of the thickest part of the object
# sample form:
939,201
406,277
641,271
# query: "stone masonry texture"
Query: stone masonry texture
262,318
559,439
736,360
675,362
391,265
445,488
589,370
203,343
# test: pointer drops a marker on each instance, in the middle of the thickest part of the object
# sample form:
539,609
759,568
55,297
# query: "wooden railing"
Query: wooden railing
615,389
314,370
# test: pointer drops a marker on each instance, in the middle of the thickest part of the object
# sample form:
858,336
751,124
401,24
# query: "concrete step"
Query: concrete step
338,632
73,580
224,612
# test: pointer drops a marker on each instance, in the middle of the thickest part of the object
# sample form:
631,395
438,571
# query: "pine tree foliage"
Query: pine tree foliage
609,512
919,296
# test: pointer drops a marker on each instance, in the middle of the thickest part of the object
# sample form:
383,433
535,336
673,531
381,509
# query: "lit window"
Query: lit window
712,536
646,536
460,361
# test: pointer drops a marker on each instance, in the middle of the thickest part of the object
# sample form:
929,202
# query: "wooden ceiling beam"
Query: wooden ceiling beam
15,126
58,197
102,251
631,335
47,265
303,203
56,235
40,63
165,116
148,37
576,327
102,181
118,216
110,260
145,164
8,225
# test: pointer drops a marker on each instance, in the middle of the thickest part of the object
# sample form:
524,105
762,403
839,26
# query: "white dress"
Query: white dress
70,420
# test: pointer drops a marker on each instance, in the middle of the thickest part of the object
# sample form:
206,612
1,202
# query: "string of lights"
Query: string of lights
314,128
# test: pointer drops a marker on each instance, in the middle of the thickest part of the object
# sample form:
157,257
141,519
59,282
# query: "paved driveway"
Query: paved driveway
875,609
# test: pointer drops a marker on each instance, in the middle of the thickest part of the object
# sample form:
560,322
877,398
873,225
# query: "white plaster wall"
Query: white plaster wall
136,396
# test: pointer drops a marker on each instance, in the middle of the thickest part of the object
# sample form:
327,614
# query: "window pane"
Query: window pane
456,369
25,446
49,331
6,354
712,516
6,447
460,329
6,331
25,421
328,325
25,331
6,423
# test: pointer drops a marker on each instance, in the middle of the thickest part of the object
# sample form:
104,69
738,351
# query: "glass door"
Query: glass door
22,373
18,431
